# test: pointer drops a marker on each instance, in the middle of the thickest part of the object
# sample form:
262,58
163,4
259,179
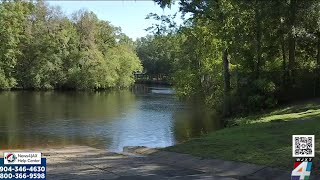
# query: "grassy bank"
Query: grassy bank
262,138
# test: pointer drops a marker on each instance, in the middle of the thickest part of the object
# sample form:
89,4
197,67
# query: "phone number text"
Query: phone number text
22,175
22,169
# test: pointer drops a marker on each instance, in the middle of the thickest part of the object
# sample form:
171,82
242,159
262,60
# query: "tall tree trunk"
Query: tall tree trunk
292,53
284,60
292,39
258,33
226,80
318,49
317,70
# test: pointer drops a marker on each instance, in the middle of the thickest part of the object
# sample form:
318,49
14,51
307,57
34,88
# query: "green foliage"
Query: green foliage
127,62
273,51
12,18
6,83
157,53
191,56
43,49
261,94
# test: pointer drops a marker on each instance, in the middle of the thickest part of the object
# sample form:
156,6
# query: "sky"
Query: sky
129,15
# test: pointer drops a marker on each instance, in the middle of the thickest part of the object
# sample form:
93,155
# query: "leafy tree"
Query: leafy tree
41,48
157,53
263,51
12,18
127,62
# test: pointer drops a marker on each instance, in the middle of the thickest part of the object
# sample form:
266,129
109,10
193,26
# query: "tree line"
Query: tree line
239,55
42,48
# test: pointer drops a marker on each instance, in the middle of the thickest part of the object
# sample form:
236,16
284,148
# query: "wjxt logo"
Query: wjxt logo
11,157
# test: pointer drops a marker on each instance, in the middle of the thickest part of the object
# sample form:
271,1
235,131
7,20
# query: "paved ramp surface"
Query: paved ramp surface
82,162
88,163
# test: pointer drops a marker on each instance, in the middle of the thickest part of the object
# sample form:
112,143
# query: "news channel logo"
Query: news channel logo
22,157
10,157
303,149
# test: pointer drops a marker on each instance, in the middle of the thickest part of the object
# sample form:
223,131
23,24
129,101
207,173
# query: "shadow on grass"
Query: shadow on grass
259,143
298,111
298,108
256,140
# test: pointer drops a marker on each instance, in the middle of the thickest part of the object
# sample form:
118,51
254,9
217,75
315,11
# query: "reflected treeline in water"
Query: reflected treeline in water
140,89
56,118
143,116
28,140
55,105
193,121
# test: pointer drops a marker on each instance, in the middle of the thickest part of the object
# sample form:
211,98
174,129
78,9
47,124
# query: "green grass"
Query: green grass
299,111
261,139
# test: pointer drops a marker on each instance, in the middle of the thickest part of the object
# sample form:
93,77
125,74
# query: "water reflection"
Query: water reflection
146,116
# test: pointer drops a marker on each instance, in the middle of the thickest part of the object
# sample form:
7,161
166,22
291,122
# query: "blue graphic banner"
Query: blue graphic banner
23,171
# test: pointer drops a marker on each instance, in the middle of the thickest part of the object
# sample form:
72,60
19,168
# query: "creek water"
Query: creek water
143,116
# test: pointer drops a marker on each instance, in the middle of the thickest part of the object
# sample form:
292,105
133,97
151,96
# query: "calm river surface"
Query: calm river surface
144,116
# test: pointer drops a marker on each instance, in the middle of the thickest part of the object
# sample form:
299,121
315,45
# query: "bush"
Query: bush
262,95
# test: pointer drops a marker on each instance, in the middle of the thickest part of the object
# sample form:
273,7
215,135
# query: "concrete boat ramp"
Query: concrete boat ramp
140,163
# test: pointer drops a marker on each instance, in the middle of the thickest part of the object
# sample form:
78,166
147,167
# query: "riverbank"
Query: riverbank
263,139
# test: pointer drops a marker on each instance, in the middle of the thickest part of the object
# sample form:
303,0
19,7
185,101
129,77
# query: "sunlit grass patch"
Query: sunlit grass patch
264,143
294,112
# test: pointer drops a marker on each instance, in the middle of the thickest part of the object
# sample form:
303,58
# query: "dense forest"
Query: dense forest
42,48
238,55
234,55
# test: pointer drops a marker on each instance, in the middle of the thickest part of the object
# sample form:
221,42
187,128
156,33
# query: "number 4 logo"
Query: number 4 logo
301,171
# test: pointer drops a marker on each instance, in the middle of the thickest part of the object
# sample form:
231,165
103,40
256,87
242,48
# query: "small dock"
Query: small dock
160,79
